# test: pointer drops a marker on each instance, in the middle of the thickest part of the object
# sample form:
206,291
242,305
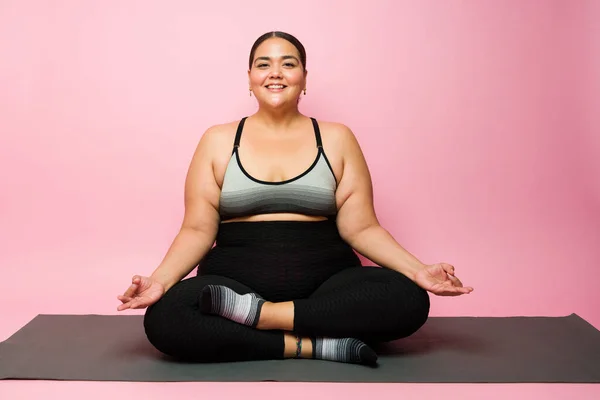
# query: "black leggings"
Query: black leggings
304,262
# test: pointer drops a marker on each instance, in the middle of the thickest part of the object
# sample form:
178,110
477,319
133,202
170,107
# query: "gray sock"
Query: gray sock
343,350
223,301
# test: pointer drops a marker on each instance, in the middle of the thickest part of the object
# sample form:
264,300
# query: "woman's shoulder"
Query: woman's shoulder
336,132
220,134
223,129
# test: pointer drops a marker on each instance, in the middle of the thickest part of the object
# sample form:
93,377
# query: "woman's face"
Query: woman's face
277,76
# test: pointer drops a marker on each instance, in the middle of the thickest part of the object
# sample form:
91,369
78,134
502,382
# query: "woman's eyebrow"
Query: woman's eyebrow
287,57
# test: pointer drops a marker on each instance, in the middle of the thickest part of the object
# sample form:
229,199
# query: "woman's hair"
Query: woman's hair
281,35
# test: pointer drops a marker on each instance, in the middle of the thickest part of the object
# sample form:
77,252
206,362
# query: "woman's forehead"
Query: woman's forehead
276,47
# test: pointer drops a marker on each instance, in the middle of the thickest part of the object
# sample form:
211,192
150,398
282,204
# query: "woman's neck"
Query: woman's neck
277,119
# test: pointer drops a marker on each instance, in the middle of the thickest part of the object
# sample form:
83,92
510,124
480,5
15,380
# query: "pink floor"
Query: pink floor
290,391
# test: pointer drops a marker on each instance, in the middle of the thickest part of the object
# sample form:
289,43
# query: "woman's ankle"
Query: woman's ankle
295,345
276,316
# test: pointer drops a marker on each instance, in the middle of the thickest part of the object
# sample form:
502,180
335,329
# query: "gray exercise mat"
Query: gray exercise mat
446,349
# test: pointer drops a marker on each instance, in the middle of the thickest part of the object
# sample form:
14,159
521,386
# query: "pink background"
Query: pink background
480,122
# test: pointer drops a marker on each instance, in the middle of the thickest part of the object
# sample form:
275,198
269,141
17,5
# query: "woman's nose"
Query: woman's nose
275,72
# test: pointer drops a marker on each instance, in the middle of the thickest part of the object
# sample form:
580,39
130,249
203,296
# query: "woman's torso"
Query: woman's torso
273,161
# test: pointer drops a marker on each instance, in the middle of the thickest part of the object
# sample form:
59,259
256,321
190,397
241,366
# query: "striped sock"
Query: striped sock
343,350
220,300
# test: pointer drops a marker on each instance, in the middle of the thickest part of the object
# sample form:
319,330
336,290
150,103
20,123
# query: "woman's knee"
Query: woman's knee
413,305
405,304
172,324
157,332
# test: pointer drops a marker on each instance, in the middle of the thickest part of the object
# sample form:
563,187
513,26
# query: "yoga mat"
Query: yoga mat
446,349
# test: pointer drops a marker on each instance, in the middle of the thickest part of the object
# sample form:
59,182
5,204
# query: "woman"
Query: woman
287,199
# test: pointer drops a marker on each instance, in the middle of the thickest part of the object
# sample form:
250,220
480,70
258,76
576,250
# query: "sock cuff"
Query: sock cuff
259,304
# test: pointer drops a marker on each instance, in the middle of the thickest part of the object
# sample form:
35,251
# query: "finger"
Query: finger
137,304
455,281
136,281
125,299
131,290
447,293
123,306
452,294
453,291
457,291
448,268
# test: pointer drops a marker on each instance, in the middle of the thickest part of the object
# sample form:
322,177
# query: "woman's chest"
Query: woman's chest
277,162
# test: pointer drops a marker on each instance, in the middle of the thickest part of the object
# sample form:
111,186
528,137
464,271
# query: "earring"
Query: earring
305,92
250,92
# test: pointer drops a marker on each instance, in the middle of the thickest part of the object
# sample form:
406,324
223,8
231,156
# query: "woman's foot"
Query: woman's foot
220,300
346,350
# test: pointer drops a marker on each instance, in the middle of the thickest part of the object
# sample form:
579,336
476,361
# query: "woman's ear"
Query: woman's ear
305,80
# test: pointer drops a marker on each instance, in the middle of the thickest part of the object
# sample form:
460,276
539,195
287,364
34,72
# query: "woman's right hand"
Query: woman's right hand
142,293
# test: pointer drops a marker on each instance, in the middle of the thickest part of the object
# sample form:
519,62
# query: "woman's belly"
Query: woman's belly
280,260
276,217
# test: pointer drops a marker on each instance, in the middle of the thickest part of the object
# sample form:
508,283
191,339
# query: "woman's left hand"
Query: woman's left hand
439,279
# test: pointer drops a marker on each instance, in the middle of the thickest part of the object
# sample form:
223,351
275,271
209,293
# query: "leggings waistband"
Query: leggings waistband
279,259
279,233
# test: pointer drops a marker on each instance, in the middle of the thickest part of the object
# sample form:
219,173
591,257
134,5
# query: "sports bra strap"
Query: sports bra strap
240,128
317,133
238,134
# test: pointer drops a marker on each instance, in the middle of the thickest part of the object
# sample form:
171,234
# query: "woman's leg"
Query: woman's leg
369,303
249,310
175,326
366,303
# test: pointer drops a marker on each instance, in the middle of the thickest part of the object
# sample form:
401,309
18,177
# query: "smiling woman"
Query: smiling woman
278,64
287,202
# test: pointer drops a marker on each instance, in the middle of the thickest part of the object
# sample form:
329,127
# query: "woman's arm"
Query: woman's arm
356,219
201,219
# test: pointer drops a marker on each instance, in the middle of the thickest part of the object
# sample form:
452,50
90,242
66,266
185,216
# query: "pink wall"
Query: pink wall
479,120
589,45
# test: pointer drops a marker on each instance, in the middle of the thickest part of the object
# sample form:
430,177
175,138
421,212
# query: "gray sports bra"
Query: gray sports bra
310,193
